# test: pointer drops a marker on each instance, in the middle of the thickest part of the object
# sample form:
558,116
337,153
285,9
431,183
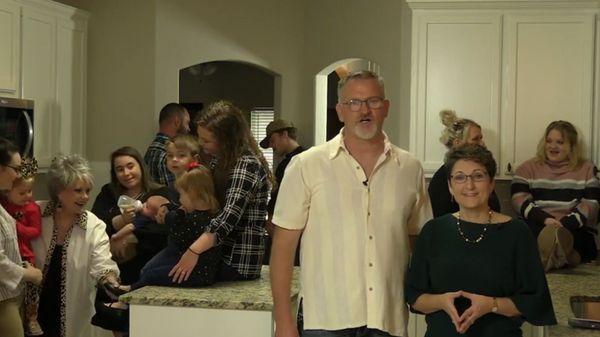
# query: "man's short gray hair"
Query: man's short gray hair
363,75
64,171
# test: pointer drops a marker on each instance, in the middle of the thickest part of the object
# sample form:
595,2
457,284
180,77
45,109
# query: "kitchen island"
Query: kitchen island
564,283
222,310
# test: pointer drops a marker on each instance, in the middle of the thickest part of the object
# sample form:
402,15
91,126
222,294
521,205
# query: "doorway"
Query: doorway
327,123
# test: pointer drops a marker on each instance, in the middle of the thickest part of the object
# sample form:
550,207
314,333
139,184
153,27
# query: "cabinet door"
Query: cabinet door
456,65
39,79
10,36
71,85
548,76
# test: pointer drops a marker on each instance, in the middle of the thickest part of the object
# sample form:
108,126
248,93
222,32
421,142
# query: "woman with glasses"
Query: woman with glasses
476,272
557,193
13,274
457,131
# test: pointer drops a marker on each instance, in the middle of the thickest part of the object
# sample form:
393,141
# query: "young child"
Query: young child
181,151
122,243
19,203
198,205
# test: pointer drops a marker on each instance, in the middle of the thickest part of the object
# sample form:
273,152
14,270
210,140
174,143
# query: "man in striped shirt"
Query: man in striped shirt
355,200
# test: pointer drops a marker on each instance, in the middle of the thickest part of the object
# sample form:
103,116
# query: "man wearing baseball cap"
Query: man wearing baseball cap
281,136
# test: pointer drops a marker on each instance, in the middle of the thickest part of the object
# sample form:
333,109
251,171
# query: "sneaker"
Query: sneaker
33,328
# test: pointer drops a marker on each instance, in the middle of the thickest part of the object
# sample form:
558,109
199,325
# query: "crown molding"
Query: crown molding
503,4
61,9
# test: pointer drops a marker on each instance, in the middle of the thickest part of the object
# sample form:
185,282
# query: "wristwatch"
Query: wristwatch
494,305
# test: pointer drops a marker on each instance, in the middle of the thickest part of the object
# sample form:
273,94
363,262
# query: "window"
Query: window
259,119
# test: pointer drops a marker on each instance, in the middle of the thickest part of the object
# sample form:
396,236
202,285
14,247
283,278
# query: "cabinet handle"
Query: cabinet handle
509,169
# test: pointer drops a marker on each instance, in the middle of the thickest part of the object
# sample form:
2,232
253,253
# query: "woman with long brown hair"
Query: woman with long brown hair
242,181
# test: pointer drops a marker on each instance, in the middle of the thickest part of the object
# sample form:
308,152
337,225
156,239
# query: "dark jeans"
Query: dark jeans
363,331
156,271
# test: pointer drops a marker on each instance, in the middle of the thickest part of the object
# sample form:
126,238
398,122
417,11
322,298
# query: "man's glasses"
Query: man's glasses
373,103
461,178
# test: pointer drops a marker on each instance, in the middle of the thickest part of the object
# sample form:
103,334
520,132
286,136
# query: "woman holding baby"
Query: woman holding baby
129,176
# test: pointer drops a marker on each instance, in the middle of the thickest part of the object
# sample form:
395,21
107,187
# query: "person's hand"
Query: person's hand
480,305
161,214
552,222
446,303
32,274
286,330
128,214
182,270
128,229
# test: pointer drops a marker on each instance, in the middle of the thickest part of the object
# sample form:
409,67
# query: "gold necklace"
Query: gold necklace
480,237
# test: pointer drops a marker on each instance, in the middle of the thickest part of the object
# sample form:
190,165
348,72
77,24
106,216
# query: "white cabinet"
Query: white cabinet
511,66
39,79
48,44
456,65
549,75
71,84
10,38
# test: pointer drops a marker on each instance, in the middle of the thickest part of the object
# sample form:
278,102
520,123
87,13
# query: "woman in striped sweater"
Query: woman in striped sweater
557,193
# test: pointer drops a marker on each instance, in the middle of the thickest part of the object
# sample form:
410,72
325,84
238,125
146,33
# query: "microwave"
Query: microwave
16,123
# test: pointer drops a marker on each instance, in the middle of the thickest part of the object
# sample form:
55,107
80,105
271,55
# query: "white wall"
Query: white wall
268,33
341,29
120,79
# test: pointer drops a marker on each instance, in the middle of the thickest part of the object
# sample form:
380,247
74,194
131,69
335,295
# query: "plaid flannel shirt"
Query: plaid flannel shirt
239,227
156,159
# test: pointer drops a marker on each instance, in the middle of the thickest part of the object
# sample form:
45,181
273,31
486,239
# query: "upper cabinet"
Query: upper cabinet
50,51
512,67
10,44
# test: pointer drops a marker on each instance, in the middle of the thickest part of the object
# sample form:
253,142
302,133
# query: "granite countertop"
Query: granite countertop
242,295
564,283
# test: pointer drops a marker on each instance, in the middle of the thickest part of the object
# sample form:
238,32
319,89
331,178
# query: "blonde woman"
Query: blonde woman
457,131
74,250
557,193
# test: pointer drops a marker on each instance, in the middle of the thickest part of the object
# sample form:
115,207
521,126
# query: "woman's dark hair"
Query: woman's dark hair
471,152
231,130
147,183
7,150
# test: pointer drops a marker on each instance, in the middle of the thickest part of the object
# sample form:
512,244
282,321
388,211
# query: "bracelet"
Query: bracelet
190,249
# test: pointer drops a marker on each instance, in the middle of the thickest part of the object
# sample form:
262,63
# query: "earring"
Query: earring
451,197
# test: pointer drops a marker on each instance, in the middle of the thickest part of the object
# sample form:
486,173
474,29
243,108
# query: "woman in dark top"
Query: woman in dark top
457,131
476,272
129,176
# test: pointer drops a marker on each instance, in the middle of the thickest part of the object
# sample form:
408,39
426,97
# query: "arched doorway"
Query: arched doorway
327,124
250,87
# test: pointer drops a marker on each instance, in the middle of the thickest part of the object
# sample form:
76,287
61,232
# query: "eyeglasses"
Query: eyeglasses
372,102
461,178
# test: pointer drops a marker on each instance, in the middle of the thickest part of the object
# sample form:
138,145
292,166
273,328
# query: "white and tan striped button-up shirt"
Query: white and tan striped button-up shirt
355,245
11,271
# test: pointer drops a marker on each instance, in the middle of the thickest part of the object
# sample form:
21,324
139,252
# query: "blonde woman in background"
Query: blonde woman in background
457,131
557,193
